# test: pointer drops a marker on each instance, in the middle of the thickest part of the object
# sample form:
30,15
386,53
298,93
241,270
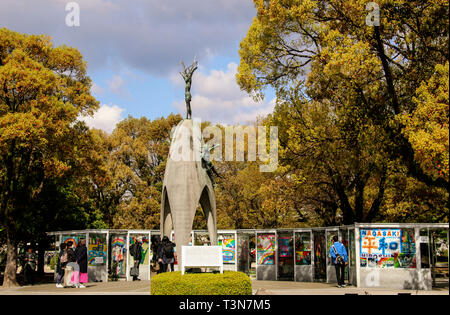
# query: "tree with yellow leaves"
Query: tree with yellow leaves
427,126
372,79
43,90
126,186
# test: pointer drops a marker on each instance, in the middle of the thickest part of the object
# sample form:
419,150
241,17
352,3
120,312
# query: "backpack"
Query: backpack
339,258
168,250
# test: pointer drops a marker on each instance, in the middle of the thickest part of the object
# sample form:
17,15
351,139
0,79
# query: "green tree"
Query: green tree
249,198
326,47
349,95
409,200
333,158
43,90
427,126
127,180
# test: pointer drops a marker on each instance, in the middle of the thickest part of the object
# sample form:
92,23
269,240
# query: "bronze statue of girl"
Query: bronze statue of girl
187,76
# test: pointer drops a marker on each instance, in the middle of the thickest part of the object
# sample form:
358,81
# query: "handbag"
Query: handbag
68,276
339,259
134,272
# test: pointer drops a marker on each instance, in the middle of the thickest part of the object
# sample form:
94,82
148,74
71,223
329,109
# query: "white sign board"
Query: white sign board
201,256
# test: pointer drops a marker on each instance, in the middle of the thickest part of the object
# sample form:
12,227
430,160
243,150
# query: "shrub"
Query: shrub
54,261
228,283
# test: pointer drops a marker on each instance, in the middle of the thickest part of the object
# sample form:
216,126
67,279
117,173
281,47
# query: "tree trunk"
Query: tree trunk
9,279
375,208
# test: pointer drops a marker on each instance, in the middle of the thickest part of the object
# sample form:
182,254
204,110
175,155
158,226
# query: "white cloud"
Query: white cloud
105,118
218,98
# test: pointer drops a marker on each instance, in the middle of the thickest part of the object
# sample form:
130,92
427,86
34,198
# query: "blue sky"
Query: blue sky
134,49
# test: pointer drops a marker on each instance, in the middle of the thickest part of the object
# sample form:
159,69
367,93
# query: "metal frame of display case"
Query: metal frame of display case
311,264
421,278
260,268
357,274
102,270
233,266
243,233
123,233
140,233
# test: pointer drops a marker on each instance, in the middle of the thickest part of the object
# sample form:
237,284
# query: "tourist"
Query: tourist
159,257
172,264
31,262
339,258
61,264
166,254
81,259
136,252
156,239
74,274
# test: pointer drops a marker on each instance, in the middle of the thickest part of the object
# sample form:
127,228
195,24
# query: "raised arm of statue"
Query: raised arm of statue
189,71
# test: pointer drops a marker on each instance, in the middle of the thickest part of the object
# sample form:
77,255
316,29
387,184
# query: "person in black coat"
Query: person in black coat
154,247
31,262
165,254
136,252
70,252
61,265
81,259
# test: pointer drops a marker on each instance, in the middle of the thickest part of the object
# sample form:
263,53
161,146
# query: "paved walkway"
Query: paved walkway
94,288
315,288
259,287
